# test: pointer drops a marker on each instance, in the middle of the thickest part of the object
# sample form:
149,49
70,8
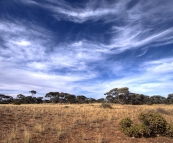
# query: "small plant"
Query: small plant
17,102
163,111
66,106
39,128
106,105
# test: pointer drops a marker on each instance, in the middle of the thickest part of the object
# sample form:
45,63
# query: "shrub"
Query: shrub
163,111
126,123
138,130
17,102
155,122
66,106
152,124
169,130
106,105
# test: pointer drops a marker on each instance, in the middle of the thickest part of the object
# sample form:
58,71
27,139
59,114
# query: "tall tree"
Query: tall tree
157,99
6,99
33,92
69,98
170,98
120,94
137,99
81,98
1,97
54,96
20,96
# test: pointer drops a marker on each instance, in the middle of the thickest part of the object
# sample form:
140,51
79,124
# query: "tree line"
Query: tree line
115,95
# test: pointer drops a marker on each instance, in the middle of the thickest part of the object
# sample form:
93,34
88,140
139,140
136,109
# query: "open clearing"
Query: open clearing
82,123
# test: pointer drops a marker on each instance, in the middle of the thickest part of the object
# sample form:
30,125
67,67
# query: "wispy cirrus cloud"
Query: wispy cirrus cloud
26,61
90,10
141,24
97,44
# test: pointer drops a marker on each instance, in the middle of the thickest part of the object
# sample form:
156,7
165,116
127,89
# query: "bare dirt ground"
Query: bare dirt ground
54,123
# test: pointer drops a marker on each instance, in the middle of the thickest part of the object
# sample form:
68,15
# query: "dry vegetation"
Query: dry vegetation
53,123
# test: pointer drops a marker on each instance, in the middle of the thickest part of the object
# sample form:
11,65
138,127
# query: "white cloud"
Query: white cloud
22,43
38,66
161,66
64,10
30,61
132,33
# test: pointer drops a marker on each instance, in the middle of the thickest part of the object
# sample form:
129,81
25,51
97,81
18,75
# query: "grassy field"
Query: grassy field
55,123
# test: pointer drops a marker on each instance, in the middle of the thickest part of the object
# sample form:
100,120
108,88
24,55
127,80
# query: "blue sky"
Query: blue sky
86,47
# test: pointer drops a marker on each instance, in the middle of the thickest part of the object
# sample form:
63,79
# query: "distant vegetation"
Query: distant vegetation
116,95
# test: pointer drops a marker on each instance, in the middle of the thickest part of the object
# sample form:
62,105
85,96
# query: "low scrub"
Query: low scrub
106,105
163,111
154,121
17,102
66,106
152,125
139,130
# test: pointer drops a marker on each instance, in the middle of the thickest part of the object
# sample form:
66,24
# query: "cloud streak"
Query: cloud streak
86,48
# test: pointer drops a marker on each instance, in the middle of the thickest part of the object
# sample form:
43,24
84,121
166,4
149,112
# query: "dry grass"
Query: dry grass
53,123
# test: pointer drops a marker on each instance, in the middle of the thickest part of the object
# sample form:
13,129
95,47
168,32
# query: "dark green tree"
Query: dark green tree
38,100
20,96
169,99
69,98
157,99
100,100
33,92
1,97
120,94
90,100
81,99
136,99
54,96
5,99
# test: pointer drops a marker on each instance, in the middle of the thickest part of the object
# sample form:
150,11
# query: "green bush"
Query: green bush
162,111
106,105
169,130
138,130
66,106
17,102
126,123
155,122
152,124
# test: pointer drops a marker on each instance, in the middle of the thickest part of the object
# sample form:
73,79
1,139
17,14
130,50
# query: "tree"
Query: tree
54,96
81,98
170,98
90,100
38,100
136,99
20,96
157,99
62,97
1,97
6,99
33,92
70,98
101,100
120,94
110,99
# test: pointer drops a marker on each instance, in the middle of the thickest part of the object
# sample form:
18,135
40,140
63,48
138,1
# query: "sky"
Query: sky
86,47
